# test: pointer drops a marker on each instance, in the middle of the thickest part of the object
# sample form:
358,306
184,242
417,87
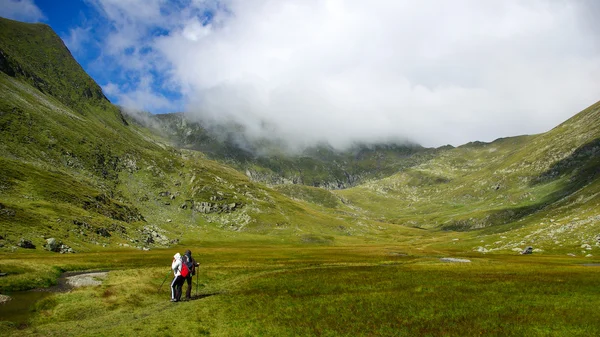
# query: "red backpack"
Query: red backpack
185,271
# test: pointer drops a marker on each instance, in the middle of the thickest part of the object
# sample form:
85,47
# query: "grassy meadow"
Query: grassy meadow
290,290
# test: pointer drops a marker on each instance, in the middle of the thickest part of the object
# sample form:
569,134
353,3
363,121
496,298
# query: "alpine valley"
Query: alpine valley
84,185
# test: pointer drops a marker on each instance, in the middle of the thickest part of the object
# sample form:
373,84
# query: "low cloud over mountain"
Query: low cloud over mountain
434,72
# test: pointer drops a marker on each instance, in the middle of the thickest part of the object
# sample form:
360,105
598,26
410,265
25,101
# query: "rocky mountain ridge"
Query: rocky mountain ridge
266,162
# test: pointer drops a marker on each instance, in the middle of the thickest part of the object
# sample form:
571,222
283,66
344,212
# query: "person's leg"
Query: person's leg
179,282
188,291
174,289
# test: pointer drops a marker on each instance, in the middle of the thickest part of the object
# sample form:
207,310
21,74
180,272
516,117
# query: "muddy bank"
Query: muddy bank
18,306
76,279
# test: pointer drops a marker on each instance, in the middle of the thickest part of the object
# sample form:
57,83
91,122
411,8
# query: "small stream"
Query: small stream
20,308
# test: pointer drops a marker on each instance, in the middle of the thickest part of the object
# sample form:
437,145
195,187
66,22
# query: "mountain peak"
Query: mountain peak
35,53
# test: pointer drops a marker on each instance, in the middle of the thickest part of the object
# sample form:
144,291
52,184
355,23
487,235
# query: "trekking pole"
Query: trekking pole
197,272
163,282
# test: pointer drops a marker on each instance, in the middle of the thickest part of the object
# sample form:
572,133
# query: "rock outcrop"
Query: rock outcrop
56,246
27,244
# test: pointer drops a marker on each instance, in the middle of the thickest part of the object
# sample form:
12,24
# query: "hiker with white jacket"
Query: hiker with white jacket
177,284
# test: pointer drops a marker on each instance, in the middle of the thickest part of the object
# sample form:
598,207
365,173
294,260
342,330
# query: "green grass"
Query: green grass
287,290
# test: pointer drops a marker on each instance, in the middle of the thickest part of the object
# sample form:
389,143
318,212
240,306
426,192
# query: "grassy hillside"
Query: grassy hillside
72,168
507,184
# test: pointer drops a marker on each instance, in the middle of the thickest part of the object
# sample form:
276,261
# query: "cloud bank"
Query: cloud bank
22,10
433,72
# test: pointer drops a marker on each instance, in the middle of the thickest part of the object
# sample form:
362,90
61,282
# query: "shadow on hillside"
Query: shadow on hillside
201,296
578,170
583,165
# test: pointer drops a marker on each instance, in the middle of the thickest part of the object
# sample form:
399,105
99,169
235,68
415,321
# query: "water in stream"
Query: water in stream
19,308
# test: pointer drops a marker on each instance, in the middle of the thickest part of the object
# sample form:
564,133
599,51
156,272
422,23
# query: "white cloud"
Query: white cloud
435,72
139,98
77,39
21,10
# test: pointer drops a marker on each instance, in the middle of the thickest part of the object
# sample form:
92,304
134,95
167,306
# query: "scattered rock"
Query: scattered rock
152,235
589,255
208,207
4,299
26,244
586,246
481,249
64,249
454,260
571,254
56,246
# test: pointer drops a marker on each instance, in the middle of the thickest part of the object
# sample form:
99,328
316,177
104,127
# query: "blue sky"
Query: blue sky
82,25
433,71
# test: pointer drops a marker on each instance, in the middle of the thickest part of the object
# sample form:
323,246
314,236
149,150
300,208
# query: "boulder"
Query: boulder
528,250
26,244
52,245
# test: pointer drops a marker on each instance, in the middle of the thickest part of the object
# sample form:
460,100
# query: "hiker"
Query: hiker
177,284
191,264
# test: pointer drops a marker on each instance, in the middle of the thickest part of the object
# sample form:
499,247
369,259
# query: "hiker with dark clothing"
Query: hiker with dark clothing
178,279
191,264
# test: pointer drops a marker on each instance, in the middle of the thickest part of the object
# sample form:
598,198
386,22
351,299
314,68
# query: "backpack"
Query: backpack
189,265
185,271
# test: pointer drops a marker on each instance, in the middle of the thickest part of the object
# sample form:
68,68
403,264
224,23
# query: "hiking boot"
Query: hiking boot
173,300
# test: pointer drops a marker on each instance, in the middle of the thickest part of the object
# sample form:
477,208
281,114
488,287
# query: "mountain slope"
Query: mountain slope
35,54
272,163
503,185
72,168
